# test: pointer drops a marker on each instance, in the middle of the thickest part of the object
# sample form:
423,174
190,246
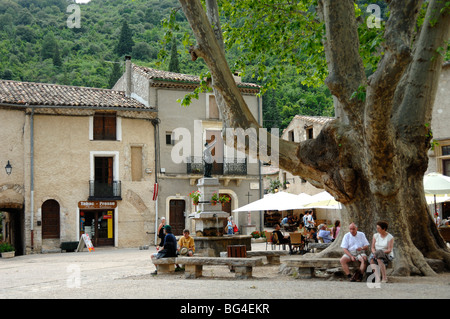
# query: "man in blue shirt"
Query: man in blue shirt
324,234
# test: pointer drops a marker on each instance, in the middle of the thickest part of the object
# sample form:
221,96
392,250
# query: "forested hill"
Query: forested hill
37,44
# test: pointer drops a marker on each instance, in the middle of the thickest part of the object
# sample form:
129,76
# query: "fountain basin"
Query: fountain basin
212,246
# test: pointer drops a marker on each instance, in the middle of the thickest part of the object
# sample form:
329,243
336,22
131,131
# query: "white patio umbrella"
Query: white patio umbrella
436,183
304,198
277,201
323,200
438,198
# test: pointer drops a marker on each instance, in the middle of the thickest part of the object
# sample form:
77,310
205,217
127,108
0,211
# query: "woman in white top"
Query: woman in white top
382,246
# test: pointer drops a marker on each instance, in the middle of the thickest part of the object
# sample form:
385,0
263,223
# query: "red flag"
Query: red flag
155,191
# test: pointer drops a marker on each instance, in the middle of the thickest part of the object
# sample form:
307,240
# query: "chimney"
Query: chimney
128,75
237,76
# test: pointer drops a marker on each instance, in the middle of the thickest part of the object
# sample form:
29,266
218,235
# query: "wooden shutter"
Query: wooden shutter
105,126
110,127
98,127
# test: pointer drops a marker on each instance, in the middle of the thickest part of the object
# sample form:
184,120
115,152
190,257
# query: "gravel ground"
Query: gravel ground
125,273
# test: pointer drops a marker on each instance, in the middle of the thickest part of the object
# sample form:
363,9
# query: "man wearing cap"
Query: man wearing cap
169,246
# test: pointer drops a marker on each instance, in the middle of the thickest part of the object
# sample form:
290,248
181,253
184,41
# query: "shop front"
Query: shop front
96,218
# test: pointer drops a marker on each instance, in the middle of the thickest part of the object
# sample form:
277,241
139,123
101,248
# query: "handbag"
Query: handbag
235,229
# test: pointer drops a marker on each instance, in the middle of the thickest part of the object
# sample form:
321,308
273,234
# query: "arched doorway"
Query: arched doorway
50,219
12,216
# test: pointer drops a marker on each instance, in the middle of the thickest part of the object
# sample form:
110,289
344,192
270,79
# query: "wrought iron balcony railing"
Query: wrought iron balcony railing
100,190
230,166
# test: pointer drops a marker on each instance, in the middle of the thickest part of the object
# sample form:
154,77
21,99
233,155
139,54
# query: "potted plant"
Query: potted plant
7,250
255,234
214,198
224,199
195,195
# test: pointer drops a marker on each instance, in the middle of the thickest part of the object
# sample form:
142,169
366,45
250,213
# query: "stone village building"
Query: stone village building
81,161
86,160
176,178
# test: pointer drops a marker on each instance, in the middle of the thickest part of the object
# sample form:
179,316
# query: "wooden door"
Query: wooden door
226,207
103,186
104,169
177,209
50,219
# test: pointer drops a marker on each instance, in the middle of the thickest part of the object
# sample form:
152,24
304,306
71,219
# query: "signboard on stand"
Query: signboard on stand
85,240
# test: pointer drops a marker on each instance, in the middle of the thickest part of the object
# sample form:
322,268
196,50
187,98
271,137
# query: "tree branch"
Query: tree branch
346,69
419,88
380,92
237,114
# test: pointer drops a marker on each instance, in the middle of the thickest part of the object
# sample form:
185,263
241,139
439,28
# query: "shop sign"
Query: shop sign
97,204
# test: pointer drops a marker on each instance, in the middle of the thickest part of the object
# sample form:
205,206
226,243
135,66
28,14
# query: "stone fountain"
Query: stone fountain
210,238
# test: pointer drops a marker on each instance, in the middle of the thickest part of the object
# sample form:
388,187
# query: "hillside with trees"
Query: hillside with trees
37,45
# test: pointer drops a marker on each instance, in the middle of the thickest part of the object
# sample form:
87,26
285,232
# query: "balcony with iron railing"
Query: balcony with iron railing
105,191
230,166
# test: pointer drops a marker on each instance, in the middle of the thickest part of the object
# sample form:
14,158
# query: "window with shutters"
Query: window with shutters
105,126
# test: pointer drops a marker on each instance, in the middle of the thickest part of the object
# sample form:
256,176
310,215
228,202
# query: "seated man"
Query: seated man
187,242
325,234
186,246
169,246
354,244
282,239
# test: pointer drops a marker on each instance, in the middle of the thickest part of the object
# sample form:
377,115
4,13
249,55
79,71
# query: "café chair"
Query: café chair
296,241
276,242
269,239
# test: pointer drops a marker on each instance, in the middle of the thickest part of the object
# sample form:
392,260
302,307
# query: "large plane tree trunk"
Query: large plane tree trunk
373,156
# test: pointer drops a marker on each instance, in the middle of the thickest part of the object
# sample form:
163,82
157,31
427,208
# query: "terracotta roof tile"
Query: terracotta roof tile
21,93
315,119
166,76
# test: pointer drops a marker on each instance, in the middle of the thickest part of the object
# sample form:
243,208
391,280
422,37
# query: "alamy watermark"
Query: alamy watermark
74,20
375,275
74,278
374,20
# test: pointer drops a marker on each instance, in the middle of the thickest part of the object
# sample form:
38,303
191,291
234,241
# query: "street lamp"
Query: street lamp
8,168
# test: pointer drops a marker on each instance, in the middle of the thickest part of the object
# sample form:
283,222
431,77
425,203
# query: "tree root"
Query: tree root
407,262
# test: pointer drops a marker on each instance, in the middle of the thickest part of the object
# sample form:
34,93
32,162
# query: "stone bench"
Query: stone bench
318,247
306,266
243,267
272,256
165,265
